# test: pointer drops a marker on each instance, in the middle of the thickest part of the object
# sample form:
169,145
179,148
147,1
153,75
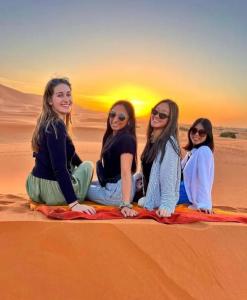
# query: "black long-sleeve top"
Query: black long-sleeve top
54,159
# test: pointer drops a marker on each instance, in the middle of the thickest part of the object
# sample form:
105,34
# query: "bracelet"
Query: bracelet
124,204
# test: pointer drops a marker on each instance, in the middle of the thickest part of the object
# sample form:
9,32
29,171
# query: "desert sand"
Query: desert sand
117,259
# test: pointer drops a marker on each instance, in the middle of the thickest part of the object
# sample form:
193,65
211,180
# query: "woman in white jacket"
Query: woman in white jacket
198,167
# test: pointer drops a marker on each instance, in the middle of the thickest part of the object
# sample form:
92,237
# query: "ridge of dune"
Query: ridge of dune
202,258
14,99
21,108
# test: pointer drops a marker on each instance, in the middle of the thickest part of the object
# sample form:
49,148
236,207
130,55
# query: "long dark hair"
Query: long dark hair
151,151
207,125
109,138
48,116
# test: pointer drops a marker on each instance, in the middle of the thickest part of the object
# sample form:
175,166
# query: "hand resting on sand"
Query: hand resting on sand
76,206
162,213
128,212
203,210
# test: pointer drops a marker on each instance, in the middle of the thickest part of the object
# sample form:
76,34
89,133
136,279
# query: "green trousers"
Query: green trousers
48,191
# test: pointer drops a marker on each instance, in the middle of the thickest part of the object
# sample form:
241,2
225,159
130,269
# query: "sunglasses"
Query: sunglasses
201,132
161,115
121,116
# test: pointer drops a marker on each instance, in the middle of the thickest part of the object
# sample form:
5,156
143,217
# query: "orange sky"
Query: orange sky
190,51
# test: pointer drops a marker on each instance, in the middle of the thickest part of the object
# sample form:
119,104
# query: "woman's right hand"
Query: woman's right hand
128,212
83,208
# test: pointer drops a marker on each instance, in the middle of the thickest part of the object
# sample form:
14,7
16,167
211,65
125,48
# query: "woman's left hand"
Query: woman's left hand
205,211
162,213
128,212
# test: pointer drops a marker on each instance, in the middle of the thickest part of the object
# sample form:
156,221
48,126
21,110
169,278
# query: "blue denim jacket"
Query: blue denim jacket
164,181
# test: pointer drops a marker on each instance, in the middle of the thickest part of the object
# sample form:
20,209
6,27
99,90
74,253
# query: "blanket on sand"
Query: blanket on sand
182,214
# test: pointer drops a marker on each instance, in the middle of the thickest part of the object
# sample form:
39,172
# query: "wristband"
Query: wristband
73,205
124,204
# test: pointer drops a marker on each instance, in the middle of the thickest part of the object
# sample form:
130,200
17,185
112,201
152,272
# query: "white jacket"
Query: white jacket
198,176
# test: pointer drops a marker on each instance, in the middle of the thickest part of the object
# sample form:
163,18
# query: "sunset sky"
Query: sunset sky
192,51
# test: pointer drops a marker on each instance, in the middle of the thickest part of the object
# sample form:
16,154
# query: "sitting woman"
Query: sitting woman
198,167
115,185
161,160
59,177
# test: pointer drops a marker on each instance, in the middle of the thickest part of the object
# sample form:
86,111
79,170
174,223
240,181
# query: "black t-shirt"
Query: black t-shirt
123,143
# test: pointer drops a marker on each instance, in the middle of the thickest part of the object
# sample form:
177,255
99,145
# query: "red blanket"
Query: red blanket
182,215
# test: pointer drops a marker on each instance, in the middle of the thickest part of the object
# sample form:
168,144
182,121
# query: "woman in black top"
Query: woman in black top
117,164
59,177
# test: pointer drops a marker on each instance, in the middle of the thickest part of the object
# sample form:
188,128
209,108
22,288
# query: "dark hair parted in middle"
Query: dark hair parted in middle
207,125
151,150
109,138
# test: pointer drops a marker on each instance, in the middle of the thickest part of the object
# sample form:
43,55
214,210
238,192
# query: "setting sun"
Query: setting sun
142,98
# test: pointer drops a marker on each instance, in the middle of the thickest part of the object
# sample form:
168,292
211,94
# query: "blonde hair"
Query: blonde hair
48,116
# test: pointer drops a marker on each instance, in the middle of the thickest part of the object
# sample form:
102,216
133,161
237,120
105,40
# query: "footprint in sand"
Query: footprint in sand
4,202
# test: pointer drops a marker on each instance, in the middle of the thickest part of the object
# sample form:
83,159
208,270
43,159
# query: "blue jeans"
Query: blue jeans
111,194
183,197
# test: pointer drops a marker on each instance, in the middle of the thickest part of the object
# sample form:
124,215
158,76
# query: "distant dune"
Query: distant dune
22,108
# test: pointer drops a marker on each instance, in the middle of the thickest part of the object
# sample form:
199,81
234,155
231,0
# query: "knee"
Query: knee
88,166
141,201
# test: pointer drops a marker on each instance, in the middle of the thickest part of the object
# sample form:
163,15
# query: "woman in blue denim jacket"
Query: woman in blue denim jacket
161,168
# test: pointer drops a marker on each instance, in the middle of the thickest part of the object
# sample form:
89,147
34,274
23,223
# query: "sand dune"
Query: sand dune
123,259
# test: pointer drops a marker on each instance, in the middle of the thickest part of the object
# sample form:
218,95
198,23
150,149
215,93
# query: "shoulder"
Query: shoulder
204,154
172,141
171,152
126,144
204,150
127,138
56,128
172,144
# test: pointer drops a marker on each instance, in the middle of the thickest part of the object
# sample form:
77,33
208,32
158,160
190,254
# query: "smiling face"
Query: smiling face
159,116
198,134
61,100
118,118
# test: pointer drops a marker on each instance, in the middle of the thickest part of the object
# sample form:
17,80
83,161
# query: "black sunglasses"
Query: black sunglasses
201,132
121,116
161,115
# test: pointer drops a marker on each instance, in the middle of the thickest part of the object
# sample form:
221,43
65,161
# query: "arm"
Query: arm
126,163
76,161
57,151
205,172
170,171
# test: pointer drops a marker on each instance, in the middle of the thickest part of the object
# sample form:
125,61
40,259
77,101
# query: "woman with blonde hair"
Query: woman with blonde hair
59,177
